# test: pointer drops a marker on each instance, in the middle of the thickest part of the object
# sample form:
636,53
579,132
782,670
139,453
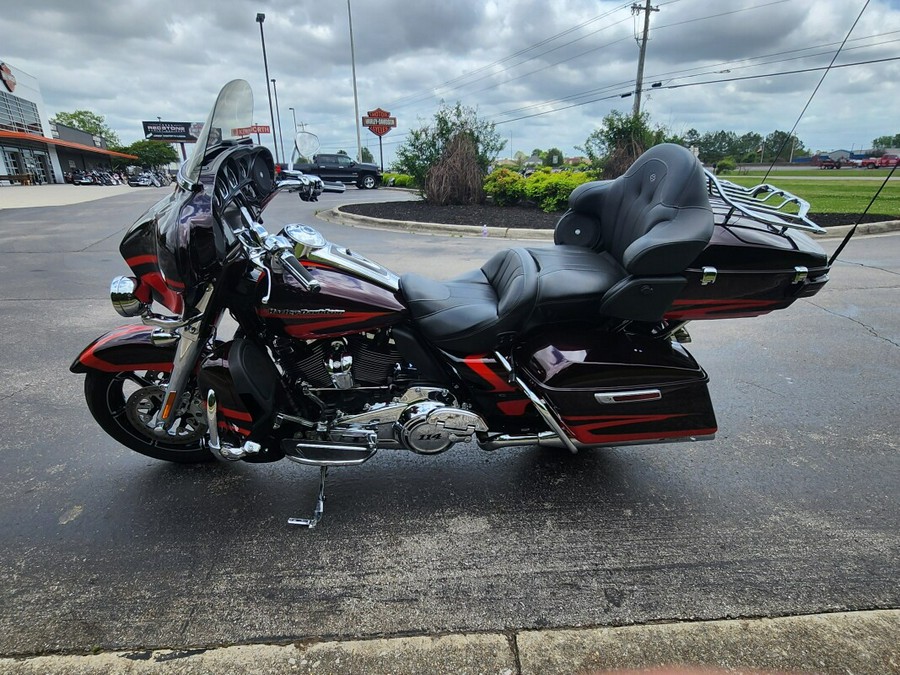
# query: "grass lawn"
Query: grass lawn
833,194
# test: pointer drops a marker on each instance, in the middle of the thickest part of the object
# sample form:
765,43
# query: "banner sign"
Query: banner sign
379,121
171,132
255,129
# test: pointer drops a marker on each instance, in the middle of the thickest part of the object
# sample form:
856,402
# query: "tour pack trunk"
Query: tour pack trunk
618,388
759,258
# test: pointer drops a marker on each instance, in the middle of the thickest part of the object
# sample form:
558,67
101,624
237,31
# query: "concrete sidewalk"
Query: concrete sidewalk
28,196
861,643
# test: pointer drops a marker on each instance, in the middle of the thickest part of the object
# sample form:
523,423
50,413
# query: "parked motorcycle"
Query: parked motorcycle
572,346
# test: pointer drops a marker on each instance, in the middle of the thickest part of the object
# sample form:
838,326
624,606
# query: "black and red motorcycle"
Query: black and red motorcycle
577,345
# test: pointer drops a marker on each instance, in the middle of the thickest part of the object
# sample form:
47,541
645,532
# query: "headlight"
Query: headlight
122,294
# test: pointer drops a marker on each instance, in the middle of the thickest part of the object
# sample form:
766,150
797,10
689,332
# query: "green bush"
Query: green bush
506,187
398,180
551,190
725,165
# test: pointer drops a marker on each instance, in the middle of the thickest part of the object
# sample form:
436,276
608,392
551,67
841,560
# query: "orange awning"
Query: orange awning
18,135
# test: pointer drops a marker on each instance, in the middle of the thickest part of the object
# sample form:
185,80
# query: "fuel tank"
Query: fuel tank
350,300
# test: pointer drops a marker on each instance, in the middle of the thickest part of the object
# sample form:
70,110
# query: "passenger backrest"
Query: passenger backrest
654,219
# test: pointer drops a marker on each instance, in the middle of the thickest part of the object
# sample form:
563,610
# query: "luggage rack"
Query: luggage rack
754,203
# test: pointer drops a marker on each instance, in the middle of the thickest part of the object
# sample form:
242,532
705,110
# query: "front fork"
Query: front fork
191,338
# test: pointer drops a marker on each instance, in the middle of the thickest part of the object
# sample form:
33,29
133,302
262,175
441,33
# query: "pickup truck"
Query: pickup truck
341,169
826,162
880,162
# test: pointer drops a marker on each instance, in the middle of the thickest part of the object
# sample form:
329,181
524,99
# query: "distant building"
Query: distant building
29,144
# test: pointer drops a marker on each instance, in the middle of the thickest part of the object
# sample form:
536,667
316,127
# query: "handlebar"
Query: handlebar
290,264
278,250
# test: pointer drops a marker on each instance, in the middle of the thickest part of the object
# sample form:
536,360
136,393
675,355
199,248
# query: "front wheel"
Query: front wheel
125,405
367,182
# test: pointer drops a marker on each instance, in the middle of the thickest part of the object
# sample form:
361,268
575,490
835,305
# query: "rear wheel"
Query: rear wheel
126,404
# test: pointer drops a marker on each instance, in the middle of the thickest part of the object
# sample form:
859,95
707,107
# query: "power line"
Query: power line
712,69
604,46
445,85
697,84
821,80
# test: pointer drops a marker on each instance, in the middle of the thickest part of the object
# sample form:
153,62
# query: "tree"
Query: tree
367,156
785,145
151,153
456,178
553,157
424,146
885,142
620,140
89,122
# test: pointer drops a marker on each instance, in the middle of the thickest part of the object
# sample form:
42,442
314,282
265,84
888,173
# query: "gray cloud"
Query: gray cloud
136,60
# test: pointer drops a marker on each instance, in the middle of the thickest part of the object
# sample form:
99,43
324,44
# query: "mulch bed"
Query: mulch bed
522,216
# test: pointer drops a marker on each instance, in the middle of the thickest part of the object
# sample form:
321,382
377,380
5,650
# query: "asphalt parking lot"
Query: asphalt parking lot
774,547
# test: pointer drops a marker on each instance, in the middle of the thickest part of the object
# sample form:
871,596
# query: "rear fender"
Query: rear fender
124,349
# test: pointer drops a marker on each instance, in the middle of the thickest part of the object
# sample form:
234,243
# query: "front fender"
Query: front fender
123,349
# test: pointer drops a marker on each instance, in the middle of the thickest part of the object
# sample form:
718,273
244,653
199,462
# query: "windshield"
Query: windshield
231,118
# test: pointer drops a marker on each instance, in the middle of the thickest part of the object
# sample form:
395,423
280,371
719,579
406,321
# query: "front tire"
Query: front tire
124,404
367,182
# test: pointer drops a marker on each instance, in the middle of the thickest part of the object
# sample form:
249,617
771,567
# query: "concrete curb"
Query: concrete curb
335,215
858,642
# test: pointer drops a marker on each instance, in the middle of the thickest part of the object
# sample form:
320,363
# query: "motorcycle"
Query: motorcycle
574,346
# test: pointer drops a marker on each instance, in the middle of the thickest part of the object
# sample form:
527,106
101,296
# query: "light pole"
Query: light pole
278,115
260,17
355,98
294,133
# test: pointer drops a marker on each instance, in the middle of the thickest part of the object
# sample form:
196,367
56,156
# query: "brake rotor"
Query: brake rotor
143,406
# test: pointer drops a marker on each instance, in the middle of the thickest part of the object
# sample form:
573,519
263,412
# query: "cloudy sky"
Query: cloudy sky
545,72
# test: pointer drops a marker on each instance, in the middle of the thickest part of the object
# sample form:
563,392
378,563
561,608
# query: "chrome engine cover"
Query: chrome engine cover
424,420
431,427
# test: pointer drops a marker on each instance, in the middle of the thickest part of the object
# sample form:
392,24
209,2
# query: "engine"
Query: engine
364,388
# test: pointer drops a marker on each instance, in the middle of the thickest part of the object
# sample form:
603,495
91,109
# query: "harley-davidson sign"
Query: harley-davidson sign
379,121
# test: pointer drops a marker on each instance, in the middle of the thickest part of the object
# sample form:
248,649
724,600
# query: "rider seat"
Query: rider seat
472,312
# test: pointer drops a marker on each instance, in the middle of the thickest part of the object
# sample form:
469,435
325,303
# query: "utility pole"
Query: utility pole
639,84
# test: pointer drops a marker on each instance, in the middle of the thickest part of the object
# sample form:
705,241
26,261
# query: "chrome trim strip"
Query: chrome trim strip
637,396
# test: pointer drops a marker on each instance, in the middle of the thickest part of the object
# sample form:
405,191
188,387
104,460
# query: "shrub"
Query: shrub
725,165
507,187
551,190
402,180
457,178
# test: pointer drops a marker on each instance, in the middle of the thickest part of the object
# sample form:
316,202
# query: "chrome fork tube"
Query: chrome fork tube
186,354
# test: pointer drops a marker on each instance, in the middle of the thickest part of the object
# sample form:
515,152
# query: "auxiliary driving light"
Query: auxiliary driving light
122,294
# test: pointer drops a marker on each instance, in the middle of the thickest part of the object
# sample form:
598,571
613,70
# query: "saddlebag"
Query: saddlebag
617,389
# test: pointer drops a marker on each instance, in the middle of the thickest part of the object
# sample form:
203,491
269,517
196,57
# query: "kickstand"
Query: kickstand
320,504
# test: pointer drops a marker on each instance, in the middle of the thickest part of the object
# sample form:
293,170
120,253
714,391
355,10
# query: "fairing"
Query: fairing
172,247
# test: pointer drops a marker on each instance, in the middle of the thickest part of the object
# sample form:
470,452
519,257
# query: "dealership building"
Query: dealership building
32,147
